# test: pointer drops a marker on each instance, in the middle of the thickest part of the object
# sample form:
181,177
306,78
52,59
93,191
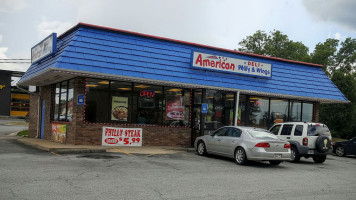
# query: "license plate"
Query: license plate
310,151
277,156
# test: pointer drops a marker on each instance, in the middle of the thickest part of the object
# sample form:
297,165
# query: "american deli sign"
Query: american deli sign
226,64
121,136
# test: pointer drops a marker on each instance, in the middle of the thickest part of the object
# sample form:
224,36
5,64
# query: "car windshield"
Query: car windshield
318,129
261,134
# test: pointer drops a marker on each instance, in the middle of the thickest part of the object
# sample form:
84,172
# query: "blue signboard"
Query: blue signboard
204,108
81,98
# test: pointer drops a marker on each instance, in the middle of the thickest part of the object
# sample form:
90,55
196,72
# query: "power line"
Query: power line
15,62
14,59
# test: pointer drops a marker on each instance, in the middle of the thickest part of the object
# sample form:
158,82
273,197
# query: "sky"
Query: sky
219,23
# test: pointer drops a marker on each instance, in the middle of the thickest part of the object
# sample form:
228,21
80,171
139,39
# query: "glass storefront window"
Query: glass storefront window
97,100
295,111
307,113
279,111
258,112
63,101
120,101
147,104
56,101
229,108
177,105
241,110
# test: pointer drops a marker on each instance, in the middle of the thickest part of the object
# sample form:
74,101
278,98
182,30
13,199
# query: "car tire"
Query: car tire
201,149
295,157
240,156
319,159
340,151
275,162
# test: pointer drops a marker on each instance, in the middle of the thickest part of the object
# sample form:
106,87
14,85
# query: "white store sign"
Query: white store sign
221,63
113,136
46,47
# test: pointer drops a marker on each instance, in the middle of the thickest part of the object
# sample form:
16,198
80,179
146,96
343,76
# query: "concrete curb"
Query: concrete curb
74,150
61,150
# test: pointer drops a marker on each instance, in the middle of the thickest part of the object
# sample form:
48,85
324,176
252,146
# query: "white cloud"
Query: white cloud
12,5
337,36
45,28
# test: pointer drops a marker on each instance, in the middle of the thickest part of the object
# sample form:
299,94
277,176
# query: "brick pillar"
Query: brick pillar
46,94
33,116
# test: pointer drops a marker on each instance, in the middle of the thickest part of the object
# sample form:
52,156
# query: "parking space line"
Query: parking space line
120,151
55,154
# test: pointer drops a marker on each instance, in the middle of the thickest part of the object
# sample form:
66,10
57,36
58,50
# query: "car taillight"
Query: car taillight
287,146
305,141
262,144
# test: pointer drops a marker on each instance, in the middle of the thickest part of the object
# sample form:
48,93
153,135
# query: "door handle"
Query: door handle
233,141
219,140
288,137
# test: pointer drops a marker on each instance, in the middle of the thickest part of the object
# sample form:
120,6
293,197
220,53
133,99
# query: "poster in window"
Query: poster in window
175,108
59,132
119,111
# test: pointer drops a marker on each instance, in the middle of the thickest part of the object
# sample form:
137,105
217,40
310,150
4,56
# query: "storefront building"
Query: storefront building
14,102
97,81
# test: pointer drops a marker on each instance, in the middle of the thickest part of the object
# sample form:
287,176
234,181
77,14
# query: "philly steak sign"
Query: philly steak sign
226,64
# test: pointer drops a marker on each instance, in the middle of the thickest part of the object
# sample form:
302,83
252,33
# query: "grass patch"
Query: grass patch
23,133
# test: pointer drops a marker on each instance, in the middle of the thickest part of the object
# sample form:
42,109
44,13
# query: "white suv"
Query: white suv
307,139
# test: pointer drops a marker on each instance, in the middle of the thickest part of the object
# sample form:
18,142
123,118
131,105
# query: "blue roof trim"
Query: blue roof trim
98,51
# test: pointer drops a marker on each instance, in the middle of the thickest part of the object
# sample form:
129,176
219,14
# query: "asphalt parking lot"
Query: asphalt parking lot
28,173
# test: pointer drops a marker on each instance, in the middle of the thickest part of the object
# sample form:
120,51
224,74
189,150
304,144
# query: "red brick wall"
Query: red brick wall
33,116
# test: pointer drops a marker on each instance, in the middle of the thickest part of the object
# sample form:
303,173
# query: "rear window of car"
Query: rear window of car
318,129
261,134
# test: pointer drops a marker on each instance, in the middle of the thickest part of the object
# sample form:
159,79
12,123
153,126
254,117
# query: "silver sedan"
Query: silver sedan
243,144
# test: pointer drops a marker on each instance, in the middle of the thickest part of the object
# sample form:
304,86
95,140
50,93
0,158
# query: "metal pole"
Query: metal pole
236,107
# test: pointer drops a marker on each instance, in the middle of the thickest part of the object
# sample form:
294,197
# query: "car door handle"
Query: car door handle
288,137
234,141
219,140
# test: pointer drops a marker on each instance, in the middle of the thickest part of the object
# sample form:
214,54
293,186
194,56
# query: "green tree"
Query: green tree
276,44
341,118
325,53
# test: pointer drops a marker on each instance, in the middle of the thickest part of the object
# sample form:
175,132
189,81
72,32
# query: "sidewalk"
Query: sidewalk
58,148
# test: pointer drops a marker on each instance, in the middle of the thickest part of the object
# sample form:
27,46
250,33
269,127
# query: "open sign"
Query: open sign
148,93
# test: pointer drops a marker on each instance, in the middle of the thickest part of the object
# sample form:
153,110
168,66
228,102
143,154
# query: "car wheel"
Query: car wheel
201,149
319,159
240,156
340,151
275,162
295,157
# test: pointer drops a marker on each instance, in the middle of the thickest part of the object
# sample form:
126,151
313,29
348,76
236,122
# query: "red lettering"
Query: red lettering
212,63
206,62
199,60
